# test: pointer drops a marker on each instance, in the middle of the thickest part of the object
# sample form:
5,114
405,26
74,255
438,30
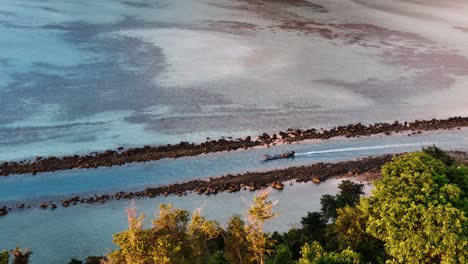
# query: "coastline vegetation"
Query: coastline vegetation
417,213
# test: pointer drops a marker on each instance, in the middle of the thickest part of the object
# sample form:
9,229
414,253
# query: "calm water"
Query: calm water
57,236
80,76
87,229
140,176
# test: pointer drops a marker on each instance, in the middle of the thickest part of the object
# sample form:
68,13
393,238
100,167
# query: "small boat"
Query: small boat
286,155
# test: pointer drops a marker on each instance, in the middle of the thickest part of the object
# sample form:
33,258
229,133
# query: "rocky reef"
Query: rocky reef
252,181
147,153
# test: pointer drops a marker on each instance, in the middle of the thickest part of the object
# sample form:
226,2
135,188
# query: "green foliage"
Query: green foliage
218,258
314,254
171,240
134,244
4,257
329,206
310,253
283,255
346,256
351,227
417,214
20,256
313,222
412,211
200,231
236,243
260,211
439,154
177,238
459,177
314,225
350,230
294,239
349,195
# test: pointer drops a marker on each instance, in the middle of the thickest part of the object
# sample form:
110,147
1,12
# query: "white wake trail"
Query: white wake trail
361,148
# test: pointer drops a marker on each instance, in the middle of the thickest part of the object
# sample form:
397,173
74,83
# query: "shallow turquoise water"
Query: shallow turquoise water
166,171
80,76
84,230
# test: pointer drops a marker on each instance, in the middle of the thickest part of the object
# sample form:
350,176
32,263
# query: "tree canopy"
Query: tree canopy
349,195
413,210
173,238
315,254
416,214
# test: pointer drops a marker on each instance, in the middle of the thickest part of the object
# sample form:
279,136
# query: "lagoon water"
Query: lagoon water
53,186
82,76
56,237
82,230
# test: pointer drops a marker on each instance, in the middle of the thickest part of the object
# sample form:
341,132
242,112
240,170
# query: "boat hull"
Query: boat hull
276,157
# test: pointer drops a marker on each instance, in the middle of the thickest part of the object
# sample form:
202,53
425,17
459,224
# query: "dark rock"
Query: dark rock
3,211
147,153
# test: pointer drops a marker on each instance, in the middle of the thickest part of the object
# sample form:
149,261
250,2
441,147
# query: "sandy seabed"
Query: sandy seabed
80,76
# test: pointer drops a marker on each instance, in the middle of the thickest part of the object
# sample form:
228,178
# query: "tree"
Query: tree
133,243
219,258
349,194
283,255
314,254
294,239
260,211
236,243
412,210
350,226
21,256
171,240
458,176
329,206
312,222
439,154
314,225
350,232
4,257
200,231
310,253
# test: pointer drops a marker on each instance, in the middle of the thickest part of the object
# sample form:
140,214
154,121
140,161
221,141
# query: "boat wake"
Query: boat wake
362,148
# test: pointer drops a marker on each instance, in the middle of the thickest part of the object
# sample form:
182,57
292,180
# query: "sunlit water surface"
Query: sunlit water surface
84,230
78,231
80,76
141,175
